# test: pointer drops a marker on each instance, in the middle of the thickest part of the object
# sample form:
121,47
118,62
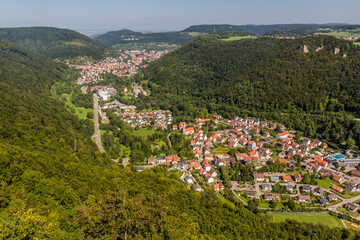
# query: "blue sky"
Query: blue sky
162,15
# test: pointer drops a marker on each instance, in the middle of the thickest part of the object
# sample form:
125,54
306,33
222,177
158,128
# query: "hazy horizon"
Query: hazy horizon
160,15
98,31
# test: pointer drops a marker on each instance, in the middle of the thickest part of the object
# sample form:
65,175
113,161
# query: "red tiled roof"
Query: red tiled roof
286,177
318,161
283,134
337,188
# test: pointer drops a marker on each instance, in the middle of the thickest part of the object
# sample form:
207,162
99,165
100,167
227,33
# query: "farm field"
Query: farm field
237,38
349,33
325,183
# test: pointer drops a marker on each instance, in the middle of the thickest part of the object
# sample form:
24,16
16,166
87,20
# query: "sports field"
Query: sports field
324,219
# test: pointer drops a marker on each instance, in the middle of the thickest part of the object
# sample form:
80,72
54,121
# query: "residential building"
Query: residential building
188,131
286,178
218,187
323,201
271,196
337,188
251,194
351,187
306,141
318,191
351,207
266,187
304,198
282,135
332,197
338,179
355,173
259,177
306,188
275,179
297,177
289,188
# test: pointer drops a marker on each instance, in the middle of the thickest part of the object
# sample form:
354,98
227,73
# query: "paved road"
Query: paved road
97,134
344,201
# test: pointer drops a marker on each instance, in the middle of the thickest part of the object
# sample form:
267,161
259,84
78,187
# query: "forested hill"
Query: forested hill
296,29
54,184
127,37
210,28
55,42
264,75
256,29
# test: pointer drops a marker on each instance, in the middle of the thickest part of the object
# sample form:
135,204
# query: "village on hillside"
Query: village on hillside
280,166
126,65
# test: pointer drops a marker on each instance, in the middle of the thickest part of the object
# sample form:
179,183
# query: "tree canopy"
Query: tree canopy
55,42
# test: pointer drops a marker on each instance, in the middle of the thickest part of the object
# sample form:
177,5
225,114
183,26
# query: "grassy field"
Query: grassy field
79,111
324,219
235,38
220,150
143,132
264,205
357,43
196,34
326,183
170,46
349,33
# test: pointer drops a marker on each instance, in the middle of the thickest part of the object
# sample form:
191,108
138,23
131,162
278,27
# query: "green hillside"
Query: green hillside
265,77
54,184
210,28
250,28
126,39
55,42
339,31
277,29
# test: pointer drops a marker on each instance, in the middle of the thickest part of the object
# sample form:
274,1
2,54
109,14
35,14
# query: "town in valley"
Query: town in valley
260,162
